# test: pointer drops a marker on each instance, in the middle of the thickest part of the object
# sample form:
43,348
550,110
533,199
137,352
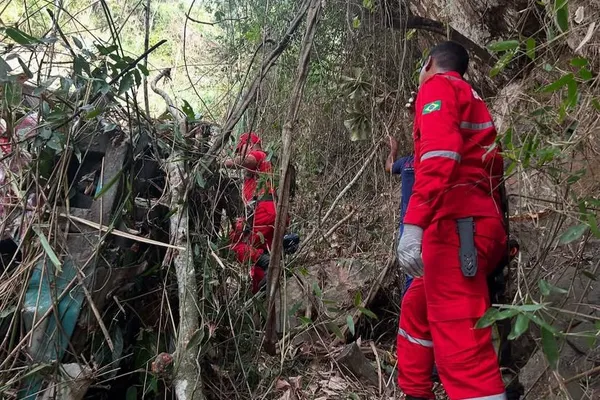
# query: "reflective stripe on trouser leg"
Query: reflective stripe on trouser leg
501,396
464,356
441,153
474,126
420,342
414,346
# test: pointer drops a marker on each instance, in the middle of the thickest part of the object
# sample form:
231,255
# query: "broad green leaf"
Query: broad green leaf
504,45
305,320
585,74
488,319
126,83
554,86
4,68
369,5
350,323
572,94
77,42
589,274
21,37
530,46
542,323
524,307
317,290
579,62
333,328
506,314
200,181
550,348
131,393
593,224
195,340
356,22
357,299
102,189
368,313
519,327
544,287
106,50
144,70
13,93
562,18
558,4
503,62
572,234
93,113
45,132
551,288
48,249
80,65
188,110
596,104
138,77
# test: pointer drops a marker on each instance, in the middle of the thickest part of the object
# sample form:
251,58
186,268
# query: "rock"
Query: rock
74,381
354,361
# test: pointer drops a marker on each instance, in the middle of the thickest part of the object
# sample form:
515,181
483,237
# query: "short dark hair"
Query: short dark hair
451,56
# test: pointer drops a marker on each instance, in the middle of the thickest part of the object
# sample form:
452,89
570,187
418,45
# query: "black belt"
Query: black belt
268,197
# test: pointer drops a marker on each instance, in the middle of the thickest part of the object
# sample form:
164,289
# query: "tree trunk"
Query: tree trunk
187,380
283,200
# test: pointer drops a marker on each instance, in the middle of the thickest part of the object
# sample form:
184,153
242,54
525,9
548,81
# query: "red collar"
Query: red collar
453,74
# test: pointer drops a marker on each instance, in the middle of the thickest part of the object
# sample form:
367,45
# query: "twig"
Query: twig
378,364
339,223
274,271
577,377
212,23
146,44
117,232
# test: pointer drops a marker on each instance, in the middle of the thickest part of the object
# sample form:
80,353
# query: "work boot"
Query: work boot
514,390
263,261
259,278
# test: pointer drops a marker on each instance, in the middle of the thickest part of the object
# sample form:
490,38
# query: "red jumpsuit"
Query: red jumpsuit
458,170
248,247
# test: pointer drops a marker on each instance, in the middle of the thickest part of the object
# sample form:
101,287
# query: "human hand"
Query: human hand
392,142
410,105
409,250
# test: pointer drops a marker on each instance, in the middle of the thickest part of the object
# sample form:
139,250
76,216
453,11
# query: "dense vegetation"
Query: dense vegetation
172,83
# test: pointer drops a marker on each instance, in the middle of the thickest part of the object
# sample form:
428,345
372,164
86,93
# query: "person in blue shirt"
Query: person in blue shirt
405,168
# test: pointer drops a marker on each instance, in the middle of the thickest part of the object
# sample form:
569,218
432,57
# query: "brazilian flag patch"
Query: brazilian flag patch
432,107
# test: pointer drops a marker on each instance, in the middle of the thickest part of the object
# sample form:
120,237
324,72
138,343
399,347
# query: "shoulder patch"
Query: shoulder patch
432,107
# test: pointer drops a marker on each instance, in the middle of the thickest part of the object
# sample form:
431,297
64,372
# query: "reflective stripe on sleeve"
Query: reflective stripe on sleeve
441,153
473,126
501,396
422,342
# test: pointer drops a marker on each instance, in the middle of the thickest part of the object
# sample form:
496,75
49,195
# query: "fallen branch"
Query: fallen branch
186,379
274,272
122,234
399,20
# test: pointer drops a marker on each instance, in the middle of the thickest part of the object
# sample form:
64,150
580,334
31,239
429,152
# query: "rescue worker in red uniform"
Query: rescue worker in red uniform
453,237
252,235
